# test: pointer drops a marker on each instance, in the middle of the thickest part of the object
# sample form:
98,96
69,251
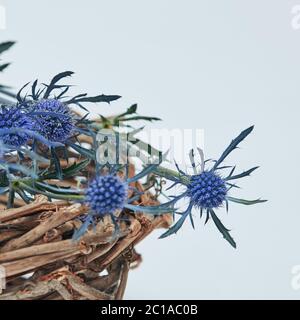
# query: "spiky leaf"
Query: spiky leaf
53,83
6,45
245,202
233,145
173,229
83,151
56,162
99,98
222,229
241,175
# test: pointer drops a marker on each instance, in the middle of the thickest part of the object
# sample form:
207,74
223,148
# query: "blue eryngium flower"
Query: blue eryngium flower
14,118
53,120
106,194
207,190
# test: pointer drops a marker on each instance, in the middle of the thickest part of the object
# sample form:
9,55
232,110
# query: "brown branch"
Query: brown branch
62,216
123,281
26,265
40,289
119,247
61,246
60,289
40,204
101,251
105,283
9,234
148,224
87,291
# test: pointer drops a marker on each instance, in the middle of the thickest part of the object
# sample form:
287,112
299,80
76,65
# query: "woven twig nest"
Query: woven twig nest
43,262
41,259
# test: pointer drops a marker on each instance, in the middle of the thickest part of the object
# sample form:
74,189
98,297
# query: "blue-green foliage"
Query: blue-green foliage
39,126
207,190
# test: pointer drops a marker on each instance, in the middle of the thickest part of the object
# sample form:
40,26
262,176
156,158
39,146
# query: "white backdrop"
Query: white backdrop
217,65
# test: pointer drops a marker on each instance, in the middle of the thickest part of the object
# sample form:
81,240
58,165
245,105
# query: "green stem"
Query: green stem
169,173
27,184
49,194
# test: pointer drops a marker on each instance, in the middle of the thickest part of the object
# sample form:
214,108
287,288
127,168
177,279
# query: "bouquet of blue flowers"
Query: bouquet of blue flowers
73,203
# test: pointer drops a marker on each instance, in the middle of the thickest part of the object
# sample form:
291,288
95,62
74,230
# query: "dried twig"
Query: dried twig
37,238
63,215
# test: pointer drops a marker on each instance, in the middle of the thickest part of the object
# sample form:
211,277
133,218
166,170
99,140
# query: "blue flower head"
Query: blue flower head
54,120
14,118
207,190
48,106
106,194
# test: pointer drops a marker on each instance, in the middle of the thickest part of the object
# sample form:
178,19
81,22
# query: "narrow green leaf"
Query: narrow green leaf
4,182
11,198
173,229
83,151
222,229
147,170
245,202
233,145
136,118
155,210
56,189
51,195
23,195
55,79
99,98
6,45
4,66
131,110
19,98
75,168
241,175
56,162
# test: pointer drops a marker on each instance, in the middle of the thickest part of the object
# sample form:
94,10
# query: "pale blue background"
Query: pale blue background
217,65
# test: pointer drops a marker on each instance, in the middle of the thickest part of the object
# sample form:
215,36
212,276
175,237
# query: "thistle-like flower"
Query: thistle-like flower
49,107
53,120
106,194
14,118
207,190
